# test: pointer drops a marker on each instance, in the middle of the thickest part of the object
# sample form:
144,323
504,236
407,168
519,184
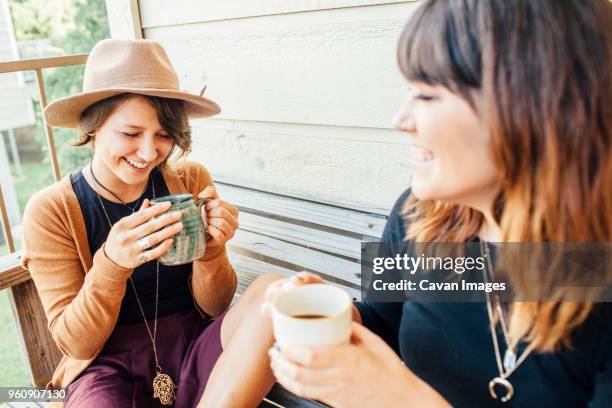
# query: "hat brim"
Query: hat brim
66,112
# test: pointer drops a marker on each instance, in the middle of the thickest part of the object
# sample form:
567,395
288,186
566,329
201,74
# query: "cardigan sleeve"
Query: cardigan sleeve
212,273
81,306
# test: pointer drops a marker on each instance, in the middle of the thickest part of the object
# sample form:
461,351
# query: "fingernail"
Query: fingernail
177,214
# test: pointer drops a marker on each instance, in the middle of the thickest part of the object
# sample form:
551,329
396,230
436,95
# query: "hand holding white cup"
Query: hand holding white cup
307,312
314,315
283,285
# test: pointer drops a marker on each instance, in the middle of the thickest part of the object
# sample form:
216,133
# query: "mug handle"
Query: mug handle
199,203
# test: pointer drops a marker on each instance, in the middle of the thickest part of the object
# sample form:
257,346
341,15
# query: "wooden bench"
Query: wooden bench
277,234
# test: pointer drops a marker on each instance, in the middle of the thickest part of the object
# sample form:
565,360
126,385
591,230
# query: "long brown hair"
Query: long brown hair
539,73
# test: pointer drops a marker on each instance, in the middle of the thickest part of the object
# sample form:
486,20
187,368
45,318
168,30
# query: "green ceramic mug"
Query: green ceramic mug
190,243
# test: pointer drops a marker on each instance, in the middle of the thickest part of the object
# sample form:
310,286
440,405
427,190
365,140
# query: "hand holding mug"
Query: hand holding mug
219,216
140,238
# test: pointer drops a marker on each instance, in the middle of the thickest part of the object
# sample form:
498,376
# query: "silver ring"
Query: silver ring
144,243
142,257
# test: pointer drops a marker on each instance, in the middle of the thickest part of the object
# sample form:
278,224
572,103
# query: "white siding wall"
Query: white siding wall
308,90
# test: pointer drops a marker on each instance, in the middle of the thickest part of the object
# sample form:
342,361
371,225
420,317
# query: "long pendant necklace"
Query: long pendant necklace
163,386
510,363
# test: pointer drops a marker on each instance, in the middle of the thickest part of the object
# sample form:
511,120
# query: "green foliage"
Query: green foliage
91,26
74,26
35,19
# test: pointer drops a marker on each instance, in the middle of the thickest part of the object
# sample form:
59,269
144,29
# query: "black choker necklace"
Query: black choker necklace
133,209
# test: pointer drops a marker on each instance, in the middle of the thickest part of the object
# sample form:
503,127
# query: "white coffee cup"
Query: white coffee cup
294,322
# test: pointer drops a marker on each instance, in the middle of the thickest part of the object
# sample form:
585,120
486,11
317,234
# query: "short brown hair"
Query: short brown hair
171,114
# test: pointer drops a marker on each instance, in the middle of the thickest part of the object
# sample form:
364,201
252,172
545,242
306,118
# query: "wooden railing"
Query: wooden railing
37,347
37,65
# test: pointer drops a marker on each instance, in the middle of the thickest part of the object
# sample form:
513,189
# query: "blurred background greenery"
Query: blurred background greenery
73,27
57,27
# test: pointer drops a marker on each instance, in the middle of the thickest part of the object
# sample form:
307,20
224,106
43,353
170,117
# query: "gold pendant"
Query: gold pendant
504,383
163,388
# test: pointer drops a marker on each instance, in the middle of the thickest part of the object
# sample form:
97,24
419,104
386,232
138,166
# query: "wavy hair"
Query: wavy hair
171,114
539,73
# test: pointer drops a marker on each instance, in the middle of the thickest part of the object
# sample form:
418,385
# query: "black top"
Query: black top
449,346
174,293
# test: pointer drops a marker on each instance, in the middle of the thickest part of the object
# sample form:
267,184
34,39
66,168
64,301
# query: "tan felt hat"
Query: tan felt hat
126,66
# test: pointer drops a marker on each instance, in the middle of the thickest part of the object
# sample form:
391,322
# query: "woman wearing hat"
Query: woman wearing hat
133,332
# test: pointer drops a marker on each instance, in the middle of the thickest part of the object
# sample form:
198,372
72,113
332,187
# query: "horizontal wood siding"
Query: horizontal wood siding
360,168
326,67
156,13
308,90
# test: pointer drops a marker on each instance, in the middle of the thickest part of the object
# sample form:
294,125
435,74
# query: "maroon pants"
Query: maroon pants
122,375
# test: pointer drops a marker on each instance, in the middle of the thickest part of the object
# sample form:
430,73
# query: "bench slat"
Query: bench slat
300,235
300,257
249,269
281,396
357,222
245,264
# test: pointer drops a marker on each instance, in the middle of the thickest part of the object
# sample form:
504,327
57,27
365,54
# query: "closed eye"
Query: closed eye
128,134
424,97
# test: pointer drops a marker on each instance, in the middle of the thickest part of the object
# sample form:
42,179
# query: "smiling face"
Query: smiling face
451,155
129,144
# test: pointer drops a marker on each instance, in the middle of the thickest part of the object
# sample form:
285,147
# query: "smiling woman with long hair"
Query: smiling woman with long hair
545,102
510,113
